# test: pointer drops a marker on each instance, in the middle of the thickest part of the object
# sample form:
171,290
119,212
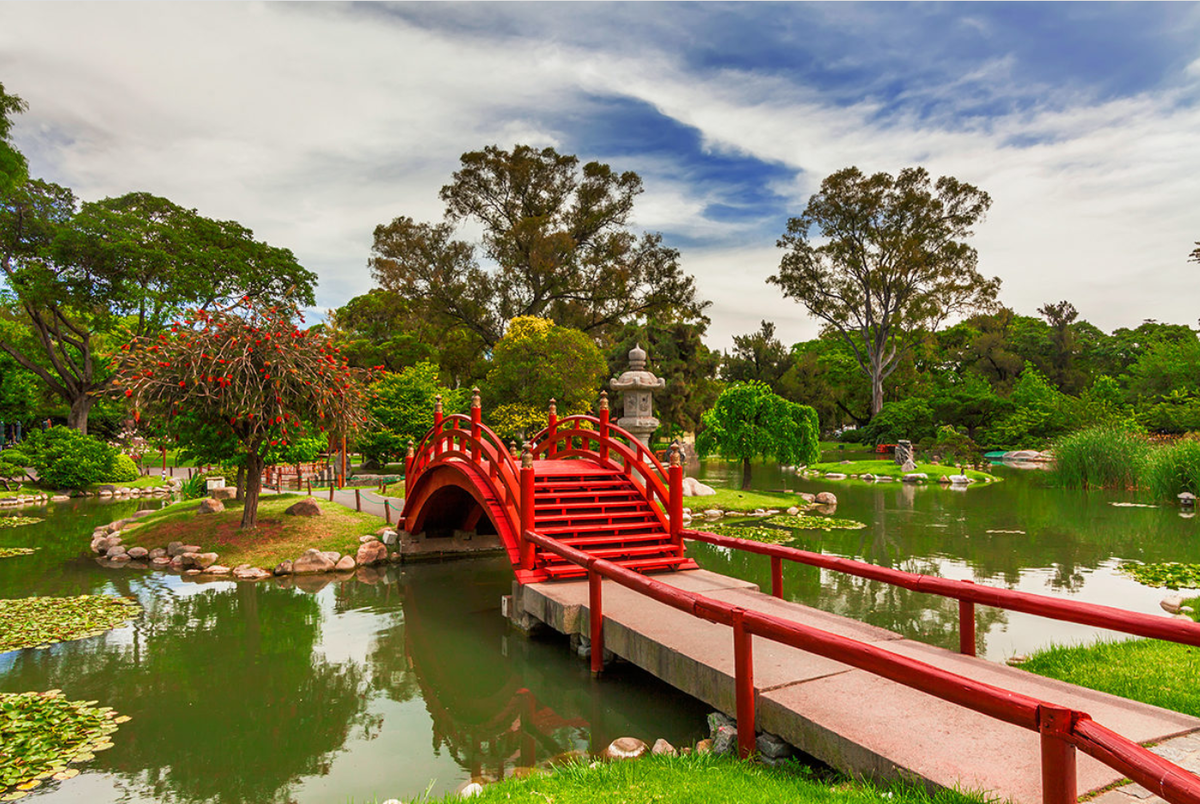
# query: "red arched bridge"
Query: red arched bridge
593,525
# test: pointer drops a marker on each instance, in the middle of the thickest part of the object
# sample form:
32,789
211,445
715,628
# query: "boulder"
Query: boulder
227,493
370,537
345,564
158,552
960,480
160,561
808,498
704,747
625,748
332,555
908,466
663,748
713,513
835,476
793,511
883,479
470,790
188,559
915,477
174,549
725,742
217,569
769,745
694,488
60,498
138,553
283,568
210,506
826,498
205,560
312,561
372,552
307,507
1171,603
245,572
114,551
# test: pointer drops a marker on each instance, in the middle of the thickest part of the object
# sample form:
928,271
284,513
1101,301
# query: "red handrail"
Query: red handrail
1062,729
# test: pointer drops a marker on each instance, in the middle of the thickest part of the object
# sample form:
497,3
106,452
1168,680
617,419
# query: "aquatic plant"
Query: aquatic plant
1170,574
18,521
755,532
806,522
1099,458
42,733
9,552
35,622
1172,469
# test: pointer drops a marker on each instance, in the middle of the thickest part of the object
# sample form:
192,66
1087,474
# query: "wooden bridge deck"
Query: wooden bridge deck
851,719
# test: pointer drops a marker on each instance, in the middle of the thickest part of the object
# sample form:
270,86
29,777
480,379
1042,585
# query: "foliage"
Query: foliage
892,261
12,467
757,356
1170,574
910,419
751,531
1148,670
1175,412
7,521
1100,458
32,622
700,779
825,374
123,470
402,409
251,374
298,449
67,459
537,361
557,235
13,167
20,398
748,421
42,733
194,487
1172,469
815,522
952,447
1040,413
677,354
1166,367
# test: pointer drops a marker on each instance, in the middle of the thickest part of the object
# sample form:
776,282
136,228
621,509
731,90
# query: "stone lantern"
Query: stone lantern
638,385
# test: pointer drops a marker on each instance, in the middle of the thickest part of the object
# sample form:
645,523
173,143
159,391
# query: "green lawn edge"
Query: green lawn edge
738,500
699,779
894,470
279,537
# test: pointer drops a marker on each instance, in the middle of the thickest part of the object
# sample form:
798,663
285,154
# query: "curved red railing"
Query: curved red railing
1062,729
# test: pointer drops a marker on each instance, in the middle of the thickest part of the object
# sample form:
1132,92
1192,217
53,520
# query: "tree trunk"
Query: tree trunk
254,469
745,473
876,391
81,406
240,495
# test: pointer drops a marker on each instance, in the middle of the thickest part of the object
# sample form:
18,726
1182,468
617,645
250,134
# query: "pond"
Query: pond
352,692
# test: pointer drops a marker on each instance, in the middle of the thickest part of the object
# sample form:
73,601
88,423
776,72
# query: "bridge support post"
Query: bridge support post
552,430
437,425
743,681
596,619
603,431
1058,756
966,626
408,465
476,415
675,481
527,513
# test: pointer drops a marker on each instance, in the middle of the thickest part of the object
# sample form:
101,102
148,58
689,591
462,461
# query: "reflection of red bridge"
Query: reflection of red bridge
589,501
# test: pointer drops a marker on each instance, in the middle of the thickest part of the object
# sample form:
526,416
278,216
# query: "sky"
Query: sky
313,123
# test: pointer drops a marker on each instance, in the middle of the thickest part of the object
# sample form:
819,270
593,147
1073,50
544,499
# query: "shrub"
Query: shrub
953,447
1173,469
908,419
67,459
1100,458
123,470
851,436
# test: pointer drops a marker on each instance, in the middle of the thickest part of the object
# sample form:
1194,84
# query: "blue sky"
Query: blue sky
312,123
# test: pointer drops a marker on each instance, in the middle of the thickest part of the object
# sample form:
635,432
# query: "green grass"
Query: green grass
1100,458
699,779
1173,468
1147,670
277,537
892,469
738,500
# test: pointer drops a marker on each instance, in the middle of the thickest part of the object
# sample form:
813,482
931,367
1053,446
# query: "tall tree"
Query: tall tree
557,242
74,276
757,356
13,167
883,259
1061,318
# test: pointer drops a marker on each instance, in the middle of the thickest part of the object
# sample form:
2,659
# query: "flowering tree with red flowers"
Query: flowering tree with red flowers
250,372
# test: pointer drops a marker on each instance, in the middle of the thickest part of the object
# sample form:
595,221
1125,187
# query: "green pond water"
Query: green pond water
357,692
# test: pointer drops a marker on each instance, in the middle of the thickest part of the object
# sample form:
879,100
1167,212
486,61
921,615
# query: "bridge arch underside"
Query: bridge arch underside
453,510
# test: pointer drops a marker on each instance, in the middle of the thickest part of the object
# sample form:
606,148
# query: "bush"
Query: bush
953,447
123,470
851,436
908,419
1100,458
67,459
1173,469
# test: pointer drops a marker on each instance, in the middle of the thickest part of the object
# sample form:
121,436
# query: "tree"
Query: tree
537,361
892,262
1194,257
757,356
557,239
74,277
12,468
253,368
13,167
1061,317
402,409
748,421
67,459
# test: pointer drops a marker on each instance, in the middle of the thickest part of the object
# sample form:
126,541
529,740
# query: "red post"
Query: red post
387,512
776,577
743,670
603,426
437,425
966,626
1058,756
596,620
552,430
343,483
527,518
675,491
408,465
357,501
476,415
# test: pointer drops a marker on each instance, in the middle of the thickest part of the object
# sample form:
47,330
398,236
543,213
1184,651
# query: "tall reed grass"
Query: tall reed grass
1100,458
1172,469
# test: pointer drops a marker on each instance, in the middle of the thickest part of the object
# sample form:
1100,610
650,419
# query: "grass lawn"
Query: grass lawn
1148,670
698,779
277,537
892,469
738,500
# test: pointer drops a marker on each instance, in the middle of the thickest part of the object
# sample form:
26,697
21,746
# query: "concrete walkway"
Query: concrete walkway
849,718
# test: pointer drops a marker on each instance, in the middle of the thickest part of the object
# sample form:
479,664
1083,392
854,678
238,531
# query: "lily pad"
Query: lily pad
9,552
17,521
32,622
806,522
41,733
755,533
1170,574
